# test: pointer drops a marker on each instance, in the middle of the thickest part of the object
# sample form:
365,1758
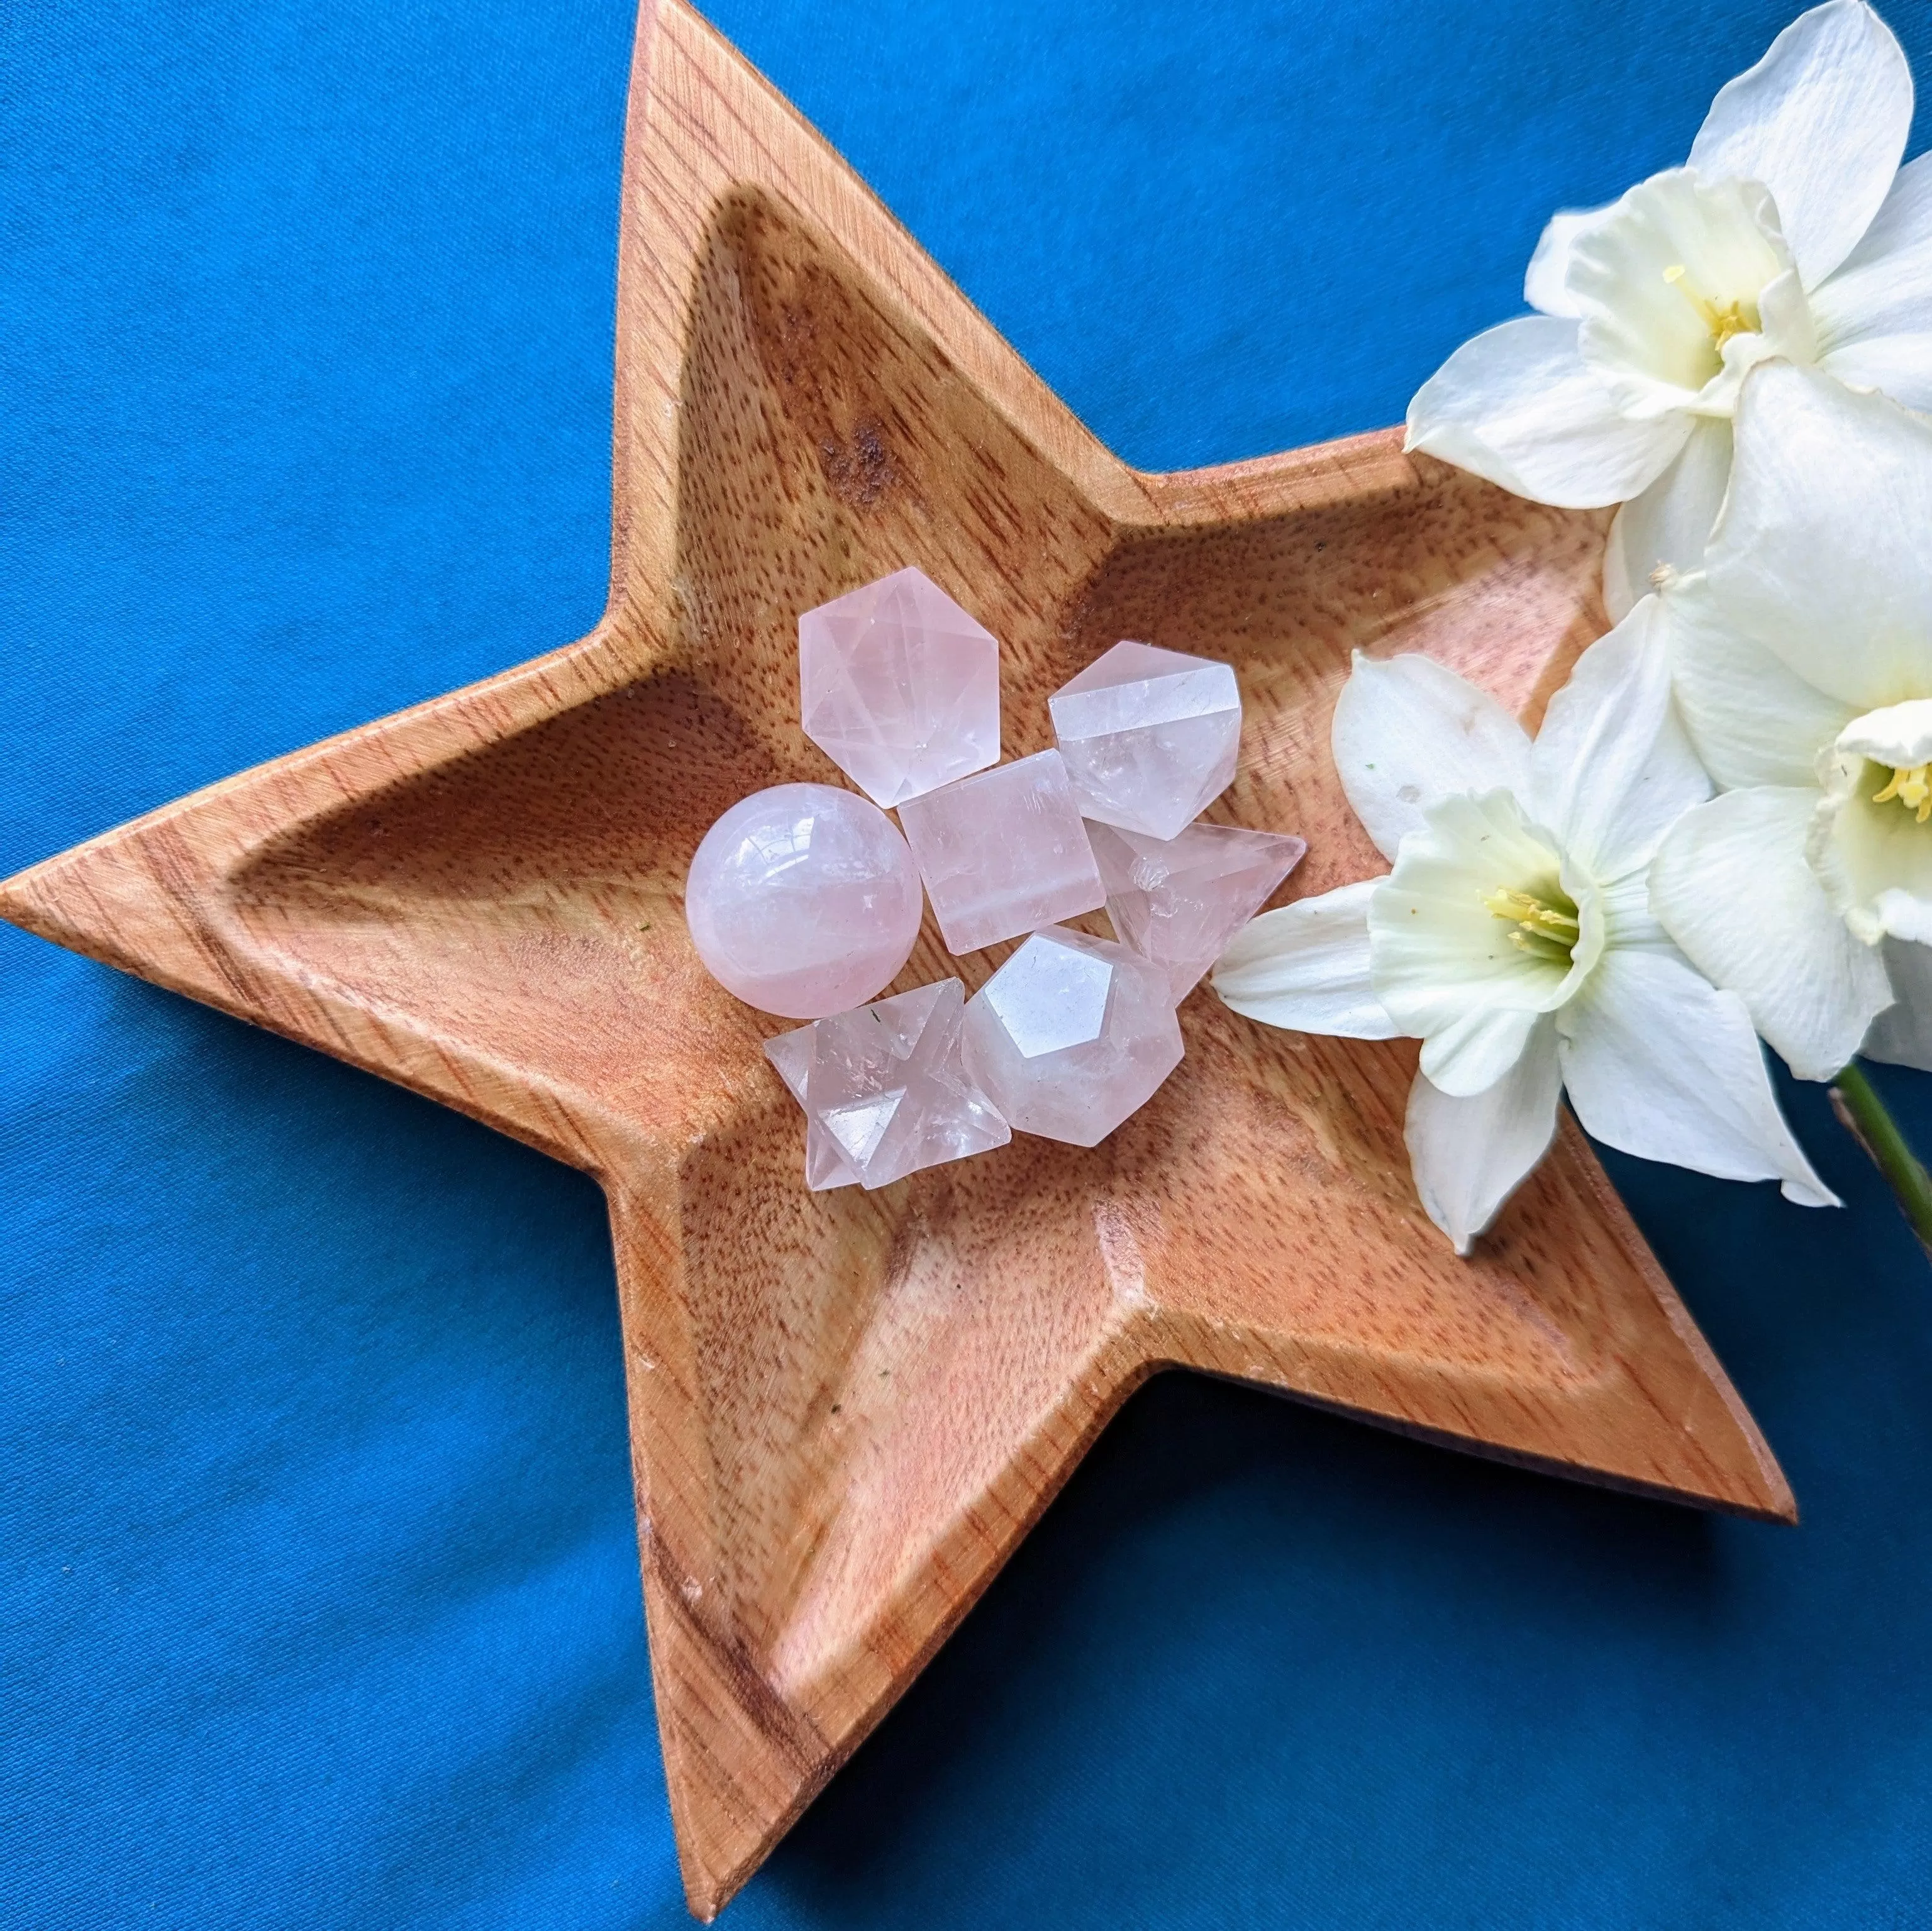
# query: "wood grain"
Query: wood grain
846,1409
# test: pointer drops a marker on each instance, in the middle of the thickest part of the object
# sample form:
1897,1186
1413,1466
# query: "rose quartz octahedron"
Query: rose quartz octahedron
1178,901
1071,1036
803,900
899,687
1150,737
885,1090
1002,851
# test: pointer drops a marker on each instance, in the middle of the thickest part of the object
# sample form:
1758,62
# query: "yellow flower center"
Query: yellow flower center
1547,926
1735,318
1912,787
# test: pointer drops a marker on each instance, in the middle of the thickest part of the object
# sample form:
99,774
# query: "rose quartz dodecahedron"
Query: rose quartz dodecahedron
1150,737
1178,901
886,1090
899,687
803,900
1071,1036
1002,851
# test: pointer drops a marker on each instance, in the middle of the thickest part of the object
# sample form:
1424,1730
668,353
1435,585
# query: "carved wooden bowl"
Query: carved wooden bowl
847,1407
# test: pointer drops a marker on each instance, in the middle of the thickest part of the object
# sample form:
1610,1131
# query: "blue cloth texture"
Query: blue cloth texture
318,1606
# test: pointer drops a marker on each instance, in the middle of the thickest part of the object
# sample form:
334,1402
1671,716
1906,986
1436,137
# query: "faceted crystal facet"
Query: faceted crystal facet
1003,852
886,1090
1150,737
1178,901
825,1166
899,687
1071,1036
803,900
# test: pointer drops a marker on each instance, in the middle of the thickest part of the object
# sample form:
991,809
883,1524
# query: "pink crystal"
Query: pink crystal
803,900
1150,737
1071,1036
825,1166
886,1090
899,687
1002,851
1178,901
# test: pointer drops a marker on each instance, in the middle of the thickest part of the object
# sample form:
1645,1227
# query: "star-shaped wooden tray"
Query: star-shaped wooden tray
846,1409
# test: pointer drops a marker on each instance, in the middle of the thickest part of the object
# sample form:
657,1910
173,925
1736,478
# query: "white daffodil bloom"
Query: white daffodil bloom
1514,936
1803,659
1792,231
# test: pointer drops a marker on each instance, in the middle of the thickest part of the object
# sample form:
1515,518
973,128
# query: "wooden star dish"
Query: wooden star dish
846,1409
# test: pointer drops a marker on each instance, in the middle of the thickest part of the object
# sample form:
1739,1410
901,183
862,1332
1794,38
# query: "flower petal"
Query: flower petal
1874,860
1476,1049
1821,553
1470,1155
1731,885
1874,316
1306,966
1901,1035
1670,523
1660,1063
1542,287
1611,769
1460,977
1408,733
1752,720
1821,121
1652,277
1517,404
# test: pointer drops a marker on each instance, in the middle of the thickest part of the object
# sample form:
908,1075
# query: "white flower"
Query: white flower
1803,661
1792,231
1514,936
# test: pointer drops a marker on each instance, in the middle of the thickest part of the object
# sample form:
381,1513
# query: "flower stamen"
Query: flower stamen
1912,786
1546,928
1731,320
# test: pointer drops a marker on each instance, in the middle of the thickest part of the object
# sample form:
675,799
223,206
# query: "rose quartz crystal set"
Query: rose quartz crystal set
805,901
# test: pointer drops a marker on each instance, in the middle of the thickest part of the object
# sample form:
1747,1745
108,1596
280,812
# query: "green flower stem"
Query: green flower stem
1865,1115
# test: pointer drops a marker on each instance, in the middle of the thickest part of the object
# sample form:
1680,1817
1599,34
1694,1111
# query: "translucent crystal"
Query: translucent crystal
1178,901
886,1090
899,687
1071,1036
803,900
825,1165
1150,737
1002,851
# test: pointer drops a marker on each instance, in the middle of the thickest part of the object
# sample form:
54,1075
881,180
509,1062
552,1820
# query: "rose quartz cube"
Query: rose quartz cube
1150,737
899,687
1178,901
1071,1036
1002,851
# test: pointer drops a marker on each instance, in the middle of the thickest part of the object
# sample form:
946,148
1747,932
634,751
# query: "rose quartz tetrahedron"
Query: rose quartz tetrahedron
1002,851
1178,901
899,687
885,1090
1071,1036
803,900
1150,737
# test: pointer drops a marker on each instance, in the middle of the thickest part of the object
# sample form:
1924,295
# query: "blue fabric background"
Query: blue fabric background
318,1599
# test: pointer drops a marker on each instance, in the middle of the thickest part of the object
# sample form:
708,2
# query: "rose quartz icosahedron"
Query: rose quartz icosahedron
899,687
1178,901
1002,851
803,900
1071,1036
885,1090
1150,737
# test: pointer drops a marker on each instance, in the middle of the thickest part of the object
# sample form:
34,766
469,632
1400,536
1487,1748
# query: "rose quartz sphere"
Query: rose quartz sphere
803,901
